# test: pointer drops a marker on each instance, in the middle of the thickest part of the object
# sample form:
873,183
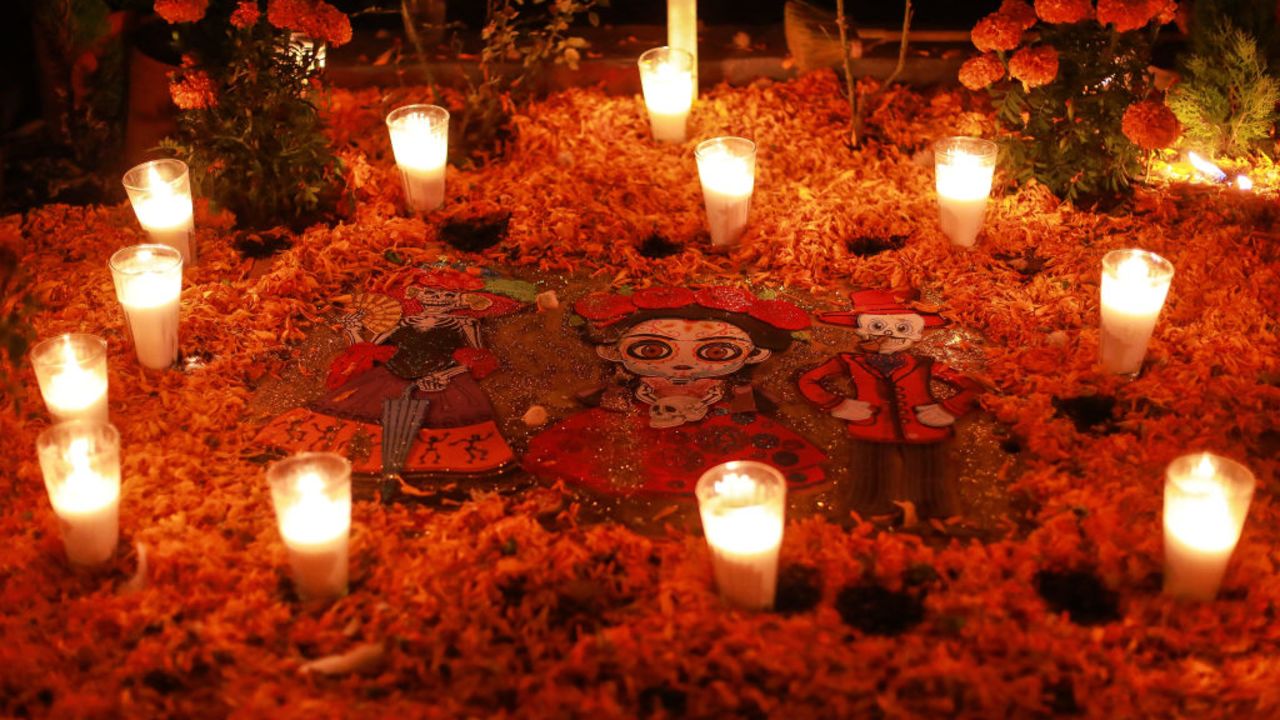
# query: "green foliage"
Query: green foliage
521,39
1066,134
260,150
1226,101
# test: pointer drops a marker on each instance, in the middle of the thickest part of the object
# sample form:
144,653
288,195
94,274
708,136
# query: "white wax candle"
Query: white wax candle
160,192
149,286
81,468
1206,499
742,506
312,495
964,169
1134,286
72,373
420,143
666,76
682,34
726,168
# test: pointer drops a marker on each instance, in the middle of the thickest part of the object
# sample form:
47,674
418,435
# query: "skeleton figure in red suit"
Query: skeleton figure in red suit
892,412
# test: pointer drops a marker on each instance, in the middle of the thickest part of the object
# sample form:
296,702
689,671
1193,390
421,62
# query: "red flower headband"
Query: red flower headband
449,279
604,309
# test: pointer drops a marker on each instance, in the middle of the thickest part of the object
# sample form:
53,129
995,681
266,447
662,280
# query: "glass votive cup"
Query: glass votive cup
71,371
1206,500
1135,284
727,171
80,461
160,192
420,143
311,493
666,79
742,505
148,281
964,168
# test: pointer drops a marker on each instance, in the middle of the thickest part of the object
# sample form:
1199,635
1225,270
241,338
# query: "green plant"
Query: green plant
1226,100
1067,103
521,39
248,126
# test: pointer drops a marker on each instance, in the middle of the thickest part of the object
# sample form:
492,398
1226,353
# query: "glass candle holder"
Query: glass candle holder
80,460
420,143
1135,284
742,504
160,192
148,280
727,170
312,497
964,168
71,370
682,34
1206,499
666,77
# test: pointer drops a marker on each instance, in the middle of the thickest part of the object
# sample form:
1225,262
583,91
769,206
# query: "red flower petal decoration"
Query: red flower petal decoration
446,279
780,314
604,308
357,359
480,362
662,298
728,299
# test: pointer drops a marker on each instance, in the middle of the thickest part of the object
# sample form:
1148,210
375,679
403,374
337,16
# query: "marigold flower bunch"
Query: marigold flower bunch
1067,77
248,125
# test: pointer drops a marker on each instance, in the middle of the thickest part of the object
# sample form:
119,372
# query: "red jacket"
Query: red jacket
893,397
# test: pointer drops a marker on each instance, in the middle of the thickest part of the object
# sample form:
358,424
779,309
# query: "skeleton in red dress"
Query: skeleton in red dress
893,412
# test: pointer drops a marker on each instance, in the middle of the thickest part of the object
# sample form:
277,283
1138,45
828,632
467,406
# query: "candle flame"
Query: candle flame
736,486
1133,269
1243,182
68,353
1206,467
309,484
1206,168
78,456
158,186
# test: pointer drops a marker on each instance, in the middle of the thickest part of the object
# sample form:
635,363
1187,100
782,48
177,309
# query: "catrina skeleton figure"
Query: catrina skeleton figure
685,402
402,401
897,422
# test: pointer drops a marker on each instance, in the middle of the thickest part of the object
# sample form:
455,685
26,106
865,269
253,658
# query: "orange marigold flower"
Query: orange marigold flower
1020,12
996,32
1128,15
1168,12
194,90
180,11
316,19
1034,66
979,72
246,14
1064,11
1151,125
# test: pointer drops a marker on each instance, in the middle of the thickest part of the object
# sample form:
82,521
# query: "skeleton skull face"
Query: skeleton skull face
891,333
674,411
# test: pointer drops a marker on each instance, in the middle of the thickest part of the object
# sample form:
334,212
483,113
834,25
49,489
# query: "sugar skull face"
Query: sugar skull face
676,411
435,301
891,333
684,349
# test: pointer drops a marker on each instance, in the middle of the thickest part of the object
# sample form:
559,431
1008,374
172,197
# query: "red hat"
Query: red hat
881,302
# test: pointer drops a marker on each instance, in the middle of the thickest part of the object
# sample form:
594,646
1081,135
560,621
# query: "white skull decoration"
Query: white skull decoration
669,412
895,332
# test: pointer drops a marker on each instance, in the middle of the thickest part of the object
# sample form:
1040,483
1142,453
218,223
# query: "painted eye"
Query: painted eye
719,352
903,328
649,350
877,325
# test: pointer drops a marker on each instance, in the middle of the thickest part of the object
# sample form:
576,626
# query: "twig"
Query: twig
855,116
902,45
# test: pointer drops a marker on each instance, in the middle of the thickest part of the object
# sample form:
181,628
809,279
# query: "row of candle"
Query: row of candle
742,506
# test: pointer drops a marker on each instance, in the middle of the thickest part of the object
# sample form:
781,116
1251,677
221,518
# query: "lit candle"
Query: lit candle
727,169
420,143
742,505
666,76
81,465
964,168
312,497
1134,286
160,192
148,281
72,373
682,34
1206,498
